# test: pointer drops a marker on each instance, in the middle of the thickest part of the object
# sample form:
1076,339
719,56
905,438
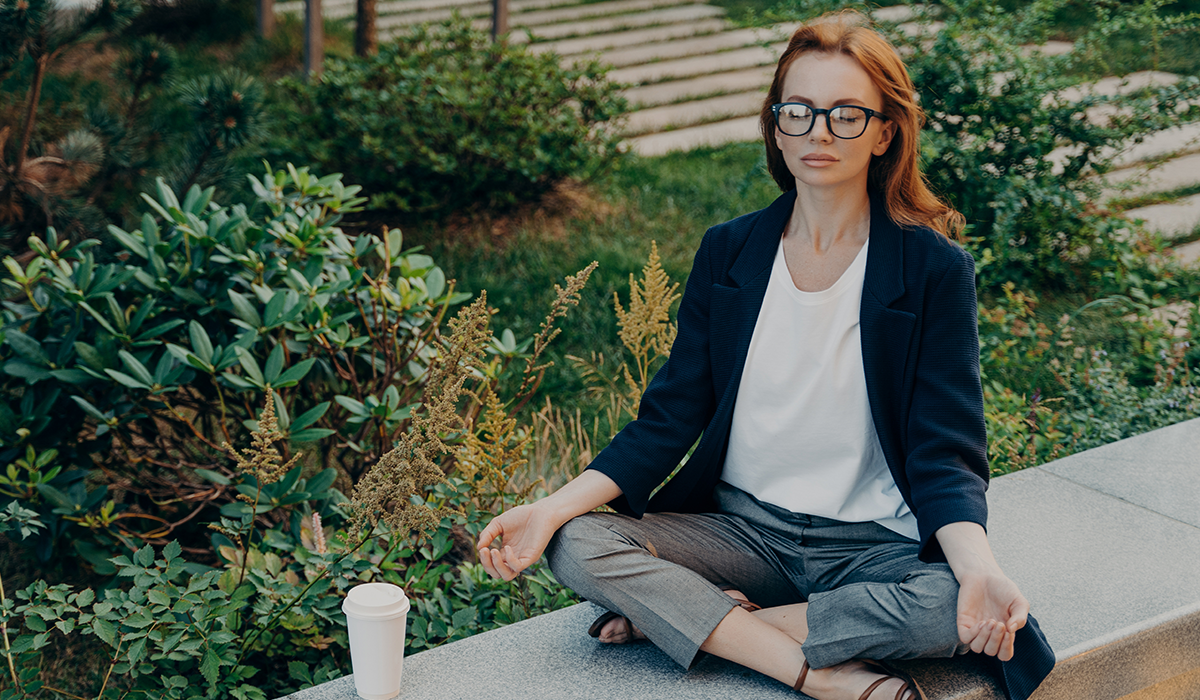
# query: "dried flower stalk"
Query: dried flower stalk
384,493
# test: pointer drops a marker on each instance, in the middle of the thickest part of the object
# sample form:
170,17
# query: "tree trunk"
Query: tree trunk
499,19
366,41
35,95
266,18
314,38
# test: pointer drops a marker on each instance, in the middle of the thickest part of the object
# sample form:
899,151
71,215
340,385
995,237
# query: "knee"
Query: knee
578,542
933,622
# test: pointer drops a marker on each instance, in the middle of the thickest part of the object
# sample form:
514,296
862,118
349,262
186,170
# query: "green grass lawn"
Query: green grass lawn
671,200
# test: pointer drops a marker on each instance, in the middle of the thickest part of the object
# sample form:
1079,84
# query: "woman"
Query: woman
827,358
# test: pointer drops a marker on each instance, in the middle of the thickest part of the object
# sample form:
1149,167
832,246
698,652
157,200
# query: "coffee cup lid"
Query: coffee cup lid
376,601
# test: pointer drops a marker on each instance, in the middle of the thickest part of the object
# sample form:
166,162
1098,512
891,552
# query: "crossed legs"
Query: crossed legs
665,573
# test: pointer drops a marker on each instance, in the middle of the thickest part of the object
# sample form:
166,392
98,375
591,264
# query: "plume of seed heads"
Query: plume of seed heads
261,459
384,494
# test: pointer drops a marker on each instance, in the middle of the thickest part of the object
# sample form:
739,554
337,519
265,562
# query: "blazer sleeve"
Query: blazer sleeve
946,462
676,406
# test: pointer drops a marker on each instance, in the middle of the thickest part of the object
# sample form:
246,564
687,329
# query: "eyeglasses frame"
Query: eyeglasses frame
828,124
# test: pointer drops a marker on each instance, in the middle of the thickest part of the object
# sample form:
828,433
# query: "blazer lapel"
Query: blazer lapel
885,333
734,309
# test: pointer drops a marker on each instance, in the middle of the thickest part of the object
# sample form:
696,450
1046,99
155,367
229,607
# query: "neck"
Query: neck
824,218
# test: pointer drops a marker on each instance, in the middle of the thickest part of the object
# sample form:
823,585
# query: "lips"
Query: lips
818,157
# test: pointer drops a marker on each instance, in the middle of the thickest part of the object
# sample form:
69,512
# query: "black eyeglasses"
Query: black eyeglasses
844,122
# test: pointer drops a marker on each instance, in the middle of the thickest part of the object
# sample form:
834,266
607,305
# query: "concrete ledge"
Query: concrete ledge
1105,544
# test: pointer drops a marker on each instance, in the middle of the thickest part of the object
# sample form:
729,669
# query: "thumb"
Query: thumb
1018,614
493,530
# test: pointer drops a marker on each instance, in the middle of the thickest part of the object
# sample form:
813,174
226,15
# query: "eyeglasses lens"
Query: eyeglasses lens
845,122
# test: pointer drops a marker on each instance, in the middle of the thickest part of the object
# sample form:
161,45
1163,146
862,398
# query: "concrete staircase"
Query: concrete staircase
695,80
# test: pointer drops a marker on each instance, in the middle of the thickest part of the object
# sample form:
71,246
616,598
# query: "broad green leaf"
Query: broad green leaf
128,242
26,371
310,416
310,434
274,364
135,367
201,345
173,550
89,409
27,347
105,630
214,477
126,379
251,366
245,310
294,374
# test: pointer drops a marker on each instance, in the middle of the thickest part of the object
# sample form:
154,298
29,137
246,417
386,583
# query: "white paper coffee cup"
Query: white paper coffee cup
376,614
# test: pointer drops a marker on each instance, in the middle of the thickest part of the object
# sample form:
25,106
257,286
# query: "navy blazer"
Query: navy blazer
920,347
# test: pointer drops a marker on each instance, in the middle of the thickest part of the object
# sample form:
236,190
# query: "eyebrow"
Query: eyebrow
843,101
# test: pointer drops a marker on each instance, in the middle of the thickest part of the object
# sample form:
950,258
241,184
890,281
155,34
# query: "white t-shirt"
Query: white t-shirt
802,435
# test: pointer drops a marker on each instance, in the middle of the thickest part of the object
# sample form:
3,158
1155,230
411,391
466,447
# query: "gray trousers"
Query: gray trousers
868,595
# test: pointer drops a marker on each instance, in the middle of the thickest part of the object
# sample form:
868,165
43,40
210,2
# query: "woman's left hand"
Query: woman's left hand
990,606
990,611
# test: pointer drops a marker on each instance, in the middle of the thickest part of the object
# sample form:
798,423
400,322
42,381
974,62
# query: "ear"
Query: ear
778,136
886,134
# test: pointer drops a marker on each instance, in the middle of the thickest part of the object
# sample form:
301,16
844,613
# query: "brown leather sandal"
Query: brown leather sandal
890,673
909,683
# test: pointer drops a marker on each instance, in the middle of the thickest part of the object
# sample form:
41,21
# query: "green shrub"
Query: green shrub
143,368
442,118
267,620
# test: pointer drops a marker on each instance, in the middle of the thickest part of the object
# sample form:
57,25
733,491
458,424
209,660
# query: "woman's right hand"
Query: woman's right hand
524,532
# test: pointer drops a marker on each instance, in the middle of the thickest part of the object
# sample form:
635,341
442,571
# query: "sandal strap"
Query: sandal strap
871,688
803,674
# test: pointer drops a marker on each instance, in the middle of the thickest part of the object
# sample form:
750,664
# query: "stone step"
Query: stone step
601,42
589,10
713,109
523,14
1170,142
666,16
895,13
704,86
1137,181
1173,219
1188,253
336,9
1050,48
715,134
1117,85
683,48
698,65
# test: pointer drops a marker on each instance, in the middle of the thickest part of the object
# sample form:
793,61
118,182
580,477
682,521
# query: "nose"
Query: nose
820,130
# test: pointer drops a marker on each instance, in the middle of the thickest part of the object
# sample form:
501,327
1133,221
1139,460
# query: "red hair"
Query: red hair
896,173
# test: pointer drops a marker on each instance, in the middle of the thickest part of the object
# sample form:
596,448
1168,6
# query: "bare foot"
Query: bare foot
619,630
850,681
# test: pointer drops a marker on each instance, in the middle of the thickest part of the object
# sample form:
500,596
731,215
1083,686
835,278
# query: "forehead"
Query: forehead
828,78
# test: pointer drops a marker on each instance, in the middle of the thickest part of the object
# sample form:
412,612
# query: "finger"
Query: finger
493,530
505,570
1006,647
968,631
980,640
513,561
485,558
994,639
